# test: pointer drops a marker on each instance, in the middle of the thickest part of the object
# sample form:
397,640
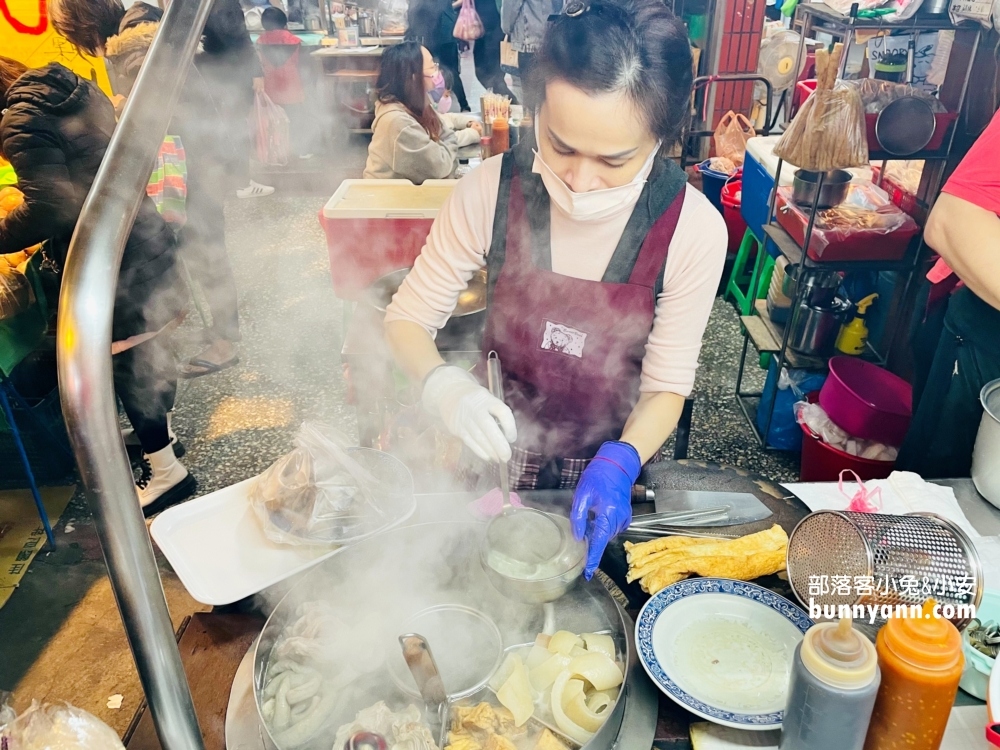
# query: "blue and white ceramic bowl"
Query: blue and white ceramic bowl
722,649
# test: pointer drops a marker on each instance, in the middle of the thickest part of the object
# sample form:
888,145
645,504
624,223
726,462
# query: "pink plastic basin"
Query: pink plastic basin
867,401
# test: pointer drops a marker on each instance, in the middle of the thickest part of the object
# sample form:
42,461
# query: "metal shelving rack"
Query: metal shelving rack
769,337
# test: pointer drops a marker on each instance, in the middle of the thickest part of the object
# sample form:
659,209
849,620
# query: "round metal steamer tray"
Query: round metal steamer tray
401,573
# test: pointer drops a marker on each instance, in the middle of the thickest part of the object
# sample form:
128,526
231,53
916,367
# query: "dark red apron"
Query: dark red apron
571,349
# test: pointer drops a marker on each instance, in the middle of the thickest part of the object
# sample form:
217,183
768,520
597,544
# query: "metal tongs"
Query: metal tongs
694,523
437,709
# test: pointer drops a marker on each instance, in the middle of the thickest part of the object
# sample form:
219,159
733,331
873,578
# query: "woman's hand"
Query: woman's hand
476,125
602,503
470,412
258,85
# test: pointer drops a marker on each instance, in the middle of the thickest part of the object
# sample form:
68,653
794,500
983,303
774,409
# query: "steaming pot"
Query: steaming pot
378,585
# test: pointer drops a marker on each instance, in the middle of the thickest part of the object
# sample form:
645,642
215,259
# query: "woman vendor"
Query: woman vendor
602,265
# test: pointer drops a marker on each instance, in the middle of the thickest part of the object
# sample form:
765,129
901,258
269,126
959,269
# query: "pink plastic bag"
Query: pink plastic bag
469,26
270,124
864,500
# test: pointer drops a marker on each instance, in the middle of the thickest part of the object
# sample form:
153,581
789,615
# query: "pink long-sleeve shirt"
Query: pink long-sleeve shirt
461,236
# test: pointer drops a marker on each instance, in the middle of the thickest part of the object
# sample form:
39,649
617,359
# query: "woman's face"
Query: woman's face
592,141
431,69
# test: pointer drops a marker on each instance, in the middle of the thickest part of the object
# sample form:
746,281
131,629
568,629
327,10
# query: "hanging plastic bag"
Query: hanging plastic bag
57,726
785,390
270,124
469,26
168,183
828,132
317,493
731,136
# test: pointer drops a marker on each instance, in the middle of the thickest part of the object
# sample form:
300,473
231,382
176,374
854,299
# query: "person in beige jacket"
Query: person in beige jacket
410,139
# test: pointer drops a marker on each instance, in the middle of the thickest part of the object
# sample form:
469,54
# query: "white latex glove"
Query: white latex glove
470,412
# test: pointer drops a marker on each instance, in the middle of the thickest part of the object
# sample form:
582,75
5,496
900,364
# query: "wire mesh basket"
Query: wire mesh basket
884,562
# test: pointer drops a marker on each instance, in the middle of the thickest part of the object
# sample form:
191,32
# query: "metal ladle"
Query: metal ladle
523,534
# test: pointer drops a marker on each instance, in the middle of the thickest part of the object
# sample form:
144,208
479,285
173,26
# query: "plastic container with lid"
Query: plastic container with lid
921,662
835,678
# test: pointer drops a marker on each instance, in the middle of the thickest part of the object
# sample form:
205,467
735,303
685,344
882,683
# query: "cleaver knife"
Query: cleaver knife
744,507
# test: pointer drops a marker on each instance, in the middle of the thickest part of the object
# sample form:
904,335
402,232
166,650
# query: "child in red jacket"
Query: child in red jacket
279,50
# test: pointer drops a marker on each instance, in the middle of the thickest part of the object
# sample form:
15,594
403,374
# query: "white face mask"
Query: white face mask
594,205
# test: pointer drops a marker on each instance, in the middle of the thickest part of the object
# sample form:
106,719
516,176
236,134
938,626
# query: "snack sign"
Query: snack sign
27,35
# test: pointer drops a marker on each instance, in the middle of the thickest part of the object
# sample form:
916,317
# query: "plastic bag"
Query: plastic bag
792,386
270,125
828,132
867,212
317,494
168,183
877,94
58,726
469,26
731,136
864,500
815,418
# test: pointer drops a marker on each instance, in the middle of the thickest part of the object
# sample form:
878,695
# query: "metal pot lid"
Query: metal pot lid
471,300
905,126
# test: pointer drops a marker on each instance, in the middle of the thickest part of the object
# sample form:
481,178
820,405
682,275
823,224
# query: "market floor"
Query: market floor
61,635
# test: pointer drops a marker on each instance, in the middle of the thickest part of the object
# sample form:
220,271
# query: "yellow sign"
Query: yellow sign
27,35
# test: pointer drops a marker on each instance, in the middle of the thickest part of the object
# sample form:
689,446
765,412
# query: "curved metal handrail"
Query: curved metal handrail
86,308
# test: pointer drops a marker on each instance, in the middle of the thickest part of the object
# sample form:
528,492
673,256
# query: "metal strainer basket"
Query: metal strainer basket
845,558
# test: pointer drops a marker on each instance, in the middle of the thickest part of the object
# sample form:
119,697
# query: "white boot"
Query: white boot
133,445
164,482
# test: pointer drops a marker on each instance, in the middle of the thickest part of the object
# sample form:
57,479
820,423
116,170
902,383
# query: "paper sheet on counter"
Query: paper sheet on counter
903,492
965,730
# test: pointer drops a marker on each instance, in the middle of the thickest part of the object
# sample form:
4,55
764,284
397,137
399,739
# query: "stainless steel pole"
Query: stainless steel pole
86,308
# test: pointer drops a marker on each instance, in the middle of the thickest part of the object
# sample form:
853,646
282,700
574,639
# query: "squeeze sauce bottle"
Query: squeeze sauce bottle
921,661
835,679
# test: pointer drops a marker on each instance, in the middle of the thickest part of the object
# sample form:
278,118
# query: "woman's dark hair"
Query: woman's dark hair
401,79
638,48
87,24
10,71
449,79
273,18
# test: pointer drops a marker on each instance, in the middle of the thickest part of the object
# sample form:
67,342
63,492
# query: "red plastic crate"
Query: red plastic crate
375,227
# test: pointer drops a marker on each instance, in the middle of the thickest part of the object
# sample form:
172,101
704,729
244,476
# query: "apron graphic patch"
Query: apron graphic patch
563,339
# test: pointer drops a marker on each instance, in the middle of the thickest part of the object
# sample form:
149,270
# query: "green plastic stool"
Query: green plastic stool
747,287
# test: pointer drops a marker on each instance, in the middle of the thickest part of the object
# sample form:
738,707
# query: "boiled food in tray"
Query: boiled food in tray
659,563
566,681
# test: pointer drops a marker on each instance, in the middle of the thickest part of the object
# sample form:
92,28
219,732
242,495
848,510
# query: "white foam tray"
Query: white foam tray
218,550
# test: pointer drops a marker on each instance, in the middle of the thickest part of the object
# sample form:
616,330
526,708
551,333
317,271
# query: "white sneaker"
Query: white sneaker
254,190
164,482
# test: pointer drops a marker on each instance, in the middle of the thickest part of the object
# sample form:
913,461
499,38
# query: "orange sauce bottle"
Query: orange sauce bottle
500,140
921,663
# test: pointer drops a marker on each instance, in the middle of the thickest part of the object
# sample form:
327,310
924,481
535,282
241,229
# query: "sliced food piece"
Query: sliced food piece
537,656
548,741
566,725
600,643
602,700
516,695
598,670
504,671
563,642
543,676
575,706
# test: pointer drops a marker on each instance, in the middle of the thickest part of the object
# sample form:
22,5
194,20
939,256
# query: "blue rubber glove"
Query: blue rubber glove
602,503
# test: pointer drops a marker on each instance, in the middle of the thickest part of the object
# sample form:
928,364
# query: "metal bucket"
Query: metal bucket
986,455
440,566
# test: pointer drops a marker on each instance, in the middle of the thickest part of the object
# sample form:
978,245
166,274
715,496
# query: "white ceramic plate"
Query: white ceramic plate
722,649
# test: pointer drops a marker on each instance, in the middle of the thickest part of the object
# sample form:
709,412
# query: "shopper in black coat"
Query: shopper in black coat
211,120
432,23
55,130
